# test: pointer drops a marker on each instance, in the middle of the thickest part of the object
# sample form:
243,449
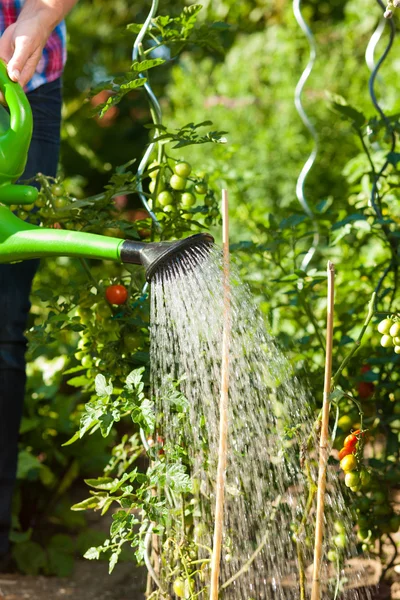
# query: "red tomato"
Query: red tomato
351,441
344,452
365,369
365,389
116,294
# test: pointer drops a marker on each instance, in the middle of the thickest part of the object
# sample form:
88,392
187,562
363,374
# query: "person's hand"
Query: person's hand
21,47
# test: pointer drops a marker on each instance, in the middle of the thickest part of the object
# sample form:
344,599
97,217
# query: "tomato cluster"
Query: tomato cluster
355,477
390,330
175,190
374,513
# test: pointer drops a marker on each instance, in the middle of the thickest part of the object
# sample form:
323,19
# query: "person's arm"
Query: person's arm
22,43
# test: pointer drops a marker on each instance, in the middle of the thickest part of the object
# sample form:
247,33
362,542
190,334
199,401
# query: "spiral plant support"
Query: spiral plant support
155,108
157,117
300,193
375,198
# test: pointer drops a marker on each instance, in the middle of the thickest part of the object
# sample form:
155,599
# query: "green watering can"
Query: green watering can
21,241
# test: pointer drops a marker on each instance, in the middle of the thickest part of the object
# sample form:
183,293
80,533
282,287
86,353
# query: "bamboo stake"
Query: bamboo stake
323,445
223,417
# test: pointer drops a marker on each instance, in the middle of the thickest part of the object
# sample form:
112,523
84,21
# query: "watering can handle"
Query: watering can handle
15,142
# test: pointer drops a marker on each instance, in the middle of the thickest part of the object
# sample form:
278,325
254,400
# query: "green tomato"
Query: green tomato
363,504
395,329
165,198
378,497
132,341
396,408
154,172
169,208
209,200
397,349
356,488
201,188
103,310
348,463
382,510
179,587
200,531
340,541
22,214
396,340
363,522
362,534
365,477
183,169
41,201
214,212
28,207
153,184
187,217
345,423
386,341
57,190
352,479
79,355
339,527
60,202
86,361
177,182
385,325
188,200
332,555
84,314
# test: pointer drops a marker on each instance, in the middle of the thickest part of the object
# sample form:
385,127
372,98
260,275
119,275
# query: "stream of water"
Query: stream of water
270,420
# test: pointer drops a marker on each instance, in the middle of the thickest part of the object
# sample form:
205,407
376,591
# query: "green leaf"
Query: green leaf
113,560
60,563
27,463
134,27
349,113
92,554
134,378
106,422
91,502
349,219
80,381
102,389
292,221
101,483
145,65
30,557
74,438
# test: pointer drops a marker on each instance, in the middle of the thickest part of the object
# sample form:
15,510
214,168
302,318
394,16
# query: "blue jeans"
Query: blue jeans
15,286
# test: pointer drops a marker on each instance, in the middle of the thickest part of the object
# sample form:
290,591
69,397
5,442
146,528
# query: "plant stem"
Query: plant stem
357,343
88,272
223,417
323,446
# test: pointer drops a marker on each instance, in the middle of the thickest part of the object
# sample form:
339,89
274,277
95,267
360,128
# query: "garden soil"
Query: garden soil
89,581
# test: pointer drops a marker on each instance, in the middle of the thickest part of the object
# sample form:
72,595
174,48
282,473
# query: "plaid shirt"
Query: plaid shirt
54,55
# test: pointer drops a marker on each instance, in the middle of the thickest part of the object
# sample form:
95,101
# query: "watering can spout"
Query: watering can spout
153,256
